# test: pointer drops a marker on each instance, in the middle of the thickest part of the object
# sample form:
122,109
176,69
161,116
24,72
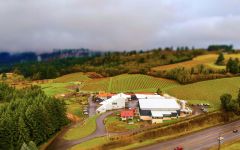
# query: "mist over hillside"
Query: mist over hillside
7,58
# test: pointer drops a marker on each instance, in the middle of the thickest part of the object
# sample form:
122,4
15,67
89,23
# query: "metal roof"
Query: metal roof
159,104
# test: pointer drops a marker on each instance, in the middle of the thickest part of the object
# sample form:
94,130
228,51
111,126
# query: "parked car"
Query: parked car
205,110
85,113
235,131
85,108
178,148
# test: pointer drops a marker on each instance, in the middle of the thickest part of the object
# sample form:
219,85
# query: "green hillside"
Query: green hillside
129,83
80,77
207,91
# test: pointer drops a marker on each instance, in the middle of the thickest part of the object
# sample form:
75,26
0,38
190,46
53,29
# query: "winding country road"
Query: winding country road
201,140
60,144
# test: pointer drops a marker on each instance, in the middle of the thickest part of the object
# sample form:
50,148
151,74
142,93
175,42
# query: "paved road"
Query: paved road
92,106
201,140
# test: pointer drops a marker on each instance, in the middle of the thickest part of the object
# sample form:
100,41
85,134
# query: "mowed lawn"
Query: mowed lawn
207,60
207,91
82,130
129,83
61,84
52,89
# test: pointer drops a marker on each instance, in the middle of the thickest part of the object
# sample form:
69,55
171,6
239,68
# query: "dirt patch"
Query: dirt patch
73,118
94,75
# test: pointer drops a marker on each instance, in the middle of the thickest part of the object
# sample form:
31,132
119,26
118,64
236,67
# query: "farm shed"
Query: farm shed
158,108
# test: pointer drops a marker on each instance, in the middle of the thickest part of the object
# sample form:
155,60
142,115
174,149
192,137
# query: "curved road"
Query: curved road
60,144
201,140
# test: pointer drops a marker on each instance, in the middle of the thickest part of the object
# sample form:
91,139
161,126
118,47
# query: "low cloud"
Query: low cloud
117,25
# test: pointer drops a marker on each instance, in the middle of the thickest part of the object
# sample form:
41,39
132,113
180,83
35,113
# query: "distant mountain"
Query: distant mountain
66,53
9,59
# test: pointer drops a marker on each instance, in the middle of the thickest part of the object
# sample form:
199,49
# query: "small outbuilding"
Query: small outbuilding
127,114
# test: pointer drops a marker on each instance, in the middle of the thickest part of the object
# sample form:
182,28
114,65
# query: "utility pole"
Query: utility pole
219,141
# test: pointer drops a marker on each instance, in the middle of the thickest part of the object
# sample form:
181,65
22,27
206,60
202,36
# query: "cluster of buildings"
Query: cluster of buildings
149,107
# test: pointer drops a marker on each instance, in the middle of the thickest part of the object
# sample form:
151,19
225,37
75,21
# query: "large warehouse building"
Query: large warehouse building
157,108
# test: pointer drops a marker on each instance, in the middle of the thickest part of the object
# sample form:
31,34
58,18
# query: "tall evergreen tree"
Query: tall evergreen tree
24,135
28,116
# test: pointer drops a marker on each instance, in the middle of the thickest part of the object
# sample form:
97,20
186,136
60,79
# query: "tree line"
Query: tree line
232,65
190,75
28,115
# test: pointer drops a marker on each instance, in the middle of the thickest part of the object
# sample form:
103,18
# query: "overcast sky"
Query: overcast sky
117,24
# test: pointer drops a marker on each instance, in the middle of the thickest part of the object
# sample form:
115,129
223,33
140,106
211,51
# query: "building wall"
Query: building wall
145,118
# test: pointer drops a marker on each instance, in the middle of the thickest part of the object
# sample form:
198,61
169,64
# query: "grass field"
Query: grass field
207,60
129,83
74,108
207,91
52,89
80,130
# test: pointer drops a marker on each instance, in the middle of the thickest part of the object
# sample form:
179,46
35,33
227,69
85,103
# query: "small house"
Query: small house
127,114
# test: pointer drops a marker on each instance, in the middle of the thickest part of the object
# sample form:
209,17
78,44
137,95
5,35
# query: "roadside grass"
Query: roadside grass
207,60
235,146
129,83
232,145
90,144
82,130
52,89
207,91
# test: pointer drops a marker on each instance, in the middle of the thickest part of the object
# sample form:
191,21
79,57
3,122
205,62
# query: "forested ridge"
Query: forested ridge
28,115
110,64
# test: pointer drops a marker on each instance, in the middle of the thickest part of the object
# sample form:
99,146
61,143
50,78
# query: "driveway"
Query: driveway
60,144
92,106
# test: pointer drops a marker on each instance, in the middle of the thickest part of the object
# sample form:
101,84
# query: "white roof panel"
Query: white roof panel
146,96
158,104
